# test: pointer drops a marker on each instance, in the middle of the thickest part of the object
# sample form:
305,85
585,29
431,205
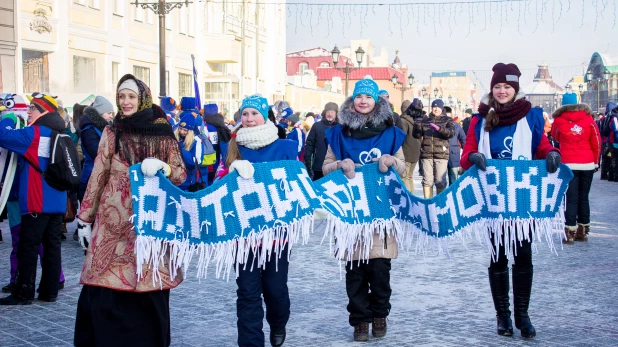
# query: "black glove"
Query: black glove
479,160
553,161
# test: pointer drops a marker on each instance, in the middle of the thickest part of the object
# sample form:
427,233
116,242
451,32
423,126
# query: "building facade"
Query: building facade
599,90
455,88
8,47
543,91
79,48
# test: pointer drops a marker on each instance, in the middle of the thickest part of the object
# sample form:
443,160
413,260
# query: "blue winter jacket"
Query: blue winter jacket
33,144
459,139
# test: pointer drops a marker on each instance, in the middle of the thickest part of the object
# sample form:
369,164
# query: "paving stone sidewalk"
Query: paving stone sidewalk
436,301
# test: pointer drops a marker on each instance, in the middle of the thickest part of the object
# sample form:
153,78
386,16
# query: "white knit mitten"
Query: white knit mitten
150,166
243,167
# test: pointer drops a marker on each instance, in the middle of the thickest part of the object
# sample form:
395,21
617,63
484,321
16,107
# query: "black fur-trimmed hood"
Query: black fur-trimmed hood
348,117
572,108
91,116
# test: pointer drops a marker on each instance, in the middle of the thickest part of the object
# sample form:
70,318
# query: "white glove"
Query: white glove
244,168
150,166
84,230
320,214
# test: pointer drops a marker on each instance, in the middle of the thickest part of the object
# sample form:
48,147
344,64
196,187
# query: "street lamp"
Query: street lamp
450,100
347,70
403,88
161,8
568,88
435,93
555,100
605,78
581,90
424,93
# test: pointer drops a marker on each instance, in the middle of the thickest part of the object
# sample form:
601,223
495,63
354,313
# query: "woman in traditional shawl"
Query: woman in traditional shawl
115,307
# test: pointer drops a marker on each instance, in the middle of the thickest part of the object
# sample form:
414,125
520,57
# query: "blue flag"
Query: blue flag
196,85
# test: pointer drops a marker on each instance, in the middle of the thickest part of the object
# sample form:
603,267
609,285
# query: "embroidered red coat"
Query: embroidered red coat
110,260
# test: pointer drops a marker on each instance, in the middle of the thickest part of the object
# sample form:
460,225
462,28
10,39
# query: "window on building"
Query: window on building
115,68
218,67
142,73
190,18
84,75
149,16
139,14
119,7
182,21
35,66
302,67
185,84
324,64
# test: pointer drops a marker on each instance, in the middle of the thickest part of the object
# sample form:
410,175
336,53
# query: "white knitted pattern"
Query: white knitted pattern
257,137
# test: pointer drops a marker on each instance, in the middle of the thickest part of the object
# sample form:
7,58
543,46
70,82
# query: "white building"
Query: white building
77,48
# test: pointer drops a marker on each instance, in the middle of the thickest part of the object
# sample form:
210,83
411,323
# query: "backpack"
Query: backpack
209,156
606,125
63,170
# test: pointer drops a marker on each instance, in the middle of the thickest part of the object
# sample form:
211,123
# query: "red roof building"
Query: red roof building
311,59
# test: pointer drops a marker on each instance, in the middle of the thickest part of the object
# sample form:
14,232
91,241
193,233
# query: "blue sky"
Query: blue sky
443,37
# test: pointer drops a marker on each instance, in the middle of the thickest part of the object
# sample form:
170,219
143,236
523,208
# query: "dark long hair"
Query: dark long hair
492,119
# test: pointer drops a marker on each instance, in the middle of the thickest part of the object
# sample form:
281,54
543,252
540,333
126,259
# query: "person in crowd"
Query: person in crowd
580,146
280,130
42,207
396,117
168,105
191,147
465,124
547,129
114,307
411,146
456,144
96,118
366,124
434,133
604,128
613,145
315,151
217,133
296,132
504,113
255,140
308,122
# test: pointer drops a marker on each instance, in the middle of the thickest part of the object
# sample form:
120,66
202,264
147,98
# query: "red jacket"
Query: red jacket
578,135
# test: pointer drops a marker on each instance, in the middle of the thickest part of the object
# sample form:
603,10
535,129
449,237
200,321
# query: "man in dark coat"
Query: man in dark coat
315,150
454,149
411,146
466,122
434,133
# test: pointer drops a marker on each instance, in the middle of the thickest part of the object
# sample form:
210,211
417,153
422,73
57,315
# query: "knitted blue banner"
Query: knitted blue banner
277,205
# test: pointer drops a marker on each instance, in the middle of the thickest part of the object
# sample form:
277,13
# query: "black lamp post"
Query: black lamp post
425,94
347,70
403,88
161,8
581,90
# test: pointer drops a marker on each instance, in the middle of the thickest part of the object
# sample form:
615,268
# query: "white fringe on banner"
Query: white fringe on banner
264,244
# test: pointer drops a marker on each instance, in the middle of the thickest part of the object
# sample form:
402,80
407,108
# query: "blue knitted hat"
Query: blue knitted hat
383,92
438,103
168,104
366,86
286,113
188,103
257,102
569,99
187,119
210,109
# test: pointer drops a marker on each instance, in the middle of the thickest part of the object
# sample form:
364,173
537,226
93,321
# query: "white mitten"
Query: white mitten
84,230
320,214
244,168
150,166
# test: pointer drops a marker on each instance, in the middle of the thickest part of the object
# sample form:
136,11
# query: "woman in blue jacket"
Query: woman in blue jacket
192,149
256,140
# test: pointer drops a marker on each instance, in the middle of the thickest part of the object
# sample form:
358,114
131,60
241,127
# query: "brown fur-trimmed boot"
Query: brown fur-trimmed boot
580,234
569,232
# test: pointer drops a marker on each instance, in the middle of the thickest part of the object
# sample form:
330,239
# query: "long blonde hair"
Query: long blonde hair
233,153
189,138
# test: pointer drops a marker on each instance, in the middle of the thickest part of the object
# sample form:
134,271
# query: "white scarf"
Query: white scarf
257,137
521,142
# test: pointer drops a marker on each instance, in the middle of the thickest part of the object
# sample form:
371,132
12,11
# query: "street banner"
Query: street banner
511,201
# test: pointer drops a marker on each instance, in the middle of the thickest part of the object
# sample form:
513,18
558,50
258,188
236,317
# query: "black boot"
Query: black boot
22,292
277,338
522,285
499,284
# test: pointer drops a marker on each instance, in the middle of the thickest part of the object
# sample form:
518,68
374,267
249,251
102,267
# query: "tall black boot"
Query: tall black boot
499,284
22,292
522,285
